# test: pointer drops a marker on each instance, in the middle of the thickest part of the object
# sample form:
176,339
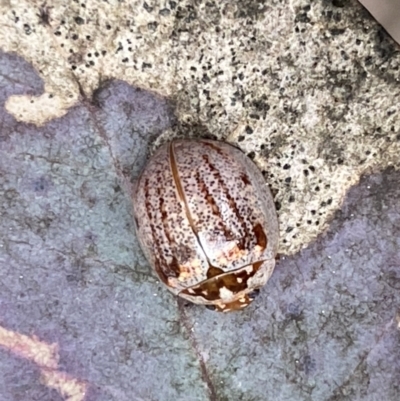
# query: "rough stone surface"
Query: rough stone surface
307,89
325,328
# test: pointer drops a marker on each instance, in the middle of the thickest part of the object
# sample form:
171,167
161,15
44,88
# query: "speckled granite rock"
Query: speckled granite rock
82,319
307,89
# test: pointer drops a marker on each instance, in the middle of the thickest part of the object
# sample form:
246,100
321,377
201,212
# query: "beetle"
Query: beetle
206,222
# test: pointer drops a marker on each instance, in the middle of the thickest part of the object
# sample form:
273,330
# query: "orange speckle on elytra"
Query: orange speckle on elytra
189,269
258,249
222,261
230,253
183,276
237,253
46,357
195,263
